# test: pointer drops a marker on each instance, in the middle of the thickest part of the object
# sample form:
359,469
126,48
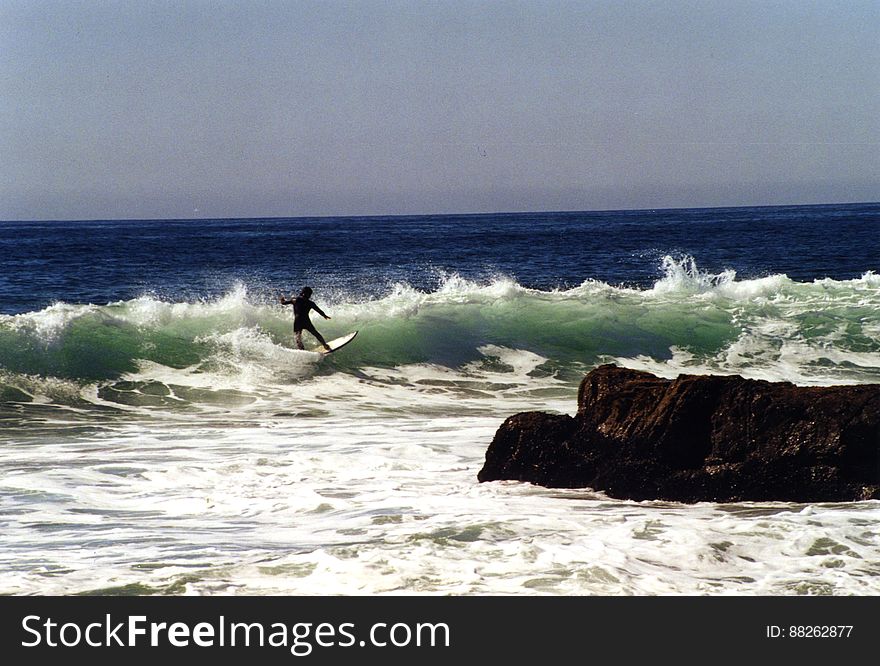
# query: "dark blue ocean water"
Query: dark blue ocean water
106,261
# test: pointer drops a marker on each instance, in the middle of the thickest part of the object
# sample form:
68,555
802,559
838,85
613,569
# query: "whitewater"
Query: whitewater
156,446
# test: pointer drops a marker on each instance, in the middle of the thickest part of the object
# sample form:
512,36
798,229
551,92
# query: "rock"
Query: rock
699,438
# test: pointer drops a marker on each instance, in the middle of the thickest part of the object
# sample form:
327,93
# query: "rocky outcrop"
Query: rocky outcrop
699,438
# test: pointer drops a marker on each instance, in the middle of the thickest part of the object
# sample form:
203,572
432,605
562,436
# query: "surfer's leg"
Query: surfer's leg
298,336
317,335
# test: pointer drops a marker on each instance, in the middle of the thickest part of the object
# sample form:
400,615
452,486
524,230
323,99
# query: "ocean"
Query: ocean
161,434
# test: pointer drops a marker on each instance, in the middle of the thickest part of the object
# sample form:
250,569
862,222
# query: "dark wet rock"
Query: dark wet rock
699,438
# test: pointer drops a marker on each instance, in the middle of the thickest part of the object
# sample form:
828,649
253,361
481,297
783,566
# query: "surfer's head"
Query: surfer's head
306,292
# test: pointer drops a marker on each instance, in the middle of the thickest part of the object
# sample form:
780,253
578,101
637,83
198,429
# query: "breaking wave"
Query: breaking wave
825,331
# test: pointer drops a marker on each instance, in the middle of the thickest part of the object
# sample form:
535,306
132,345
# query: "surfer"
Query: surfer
301,306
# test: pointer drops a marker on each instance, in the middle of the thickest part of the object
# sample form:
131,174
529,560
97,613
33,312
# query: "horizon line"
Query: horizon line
459,214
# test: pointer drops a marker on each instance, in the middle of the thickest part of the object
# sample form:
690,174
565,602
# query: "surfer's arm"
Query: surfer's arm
282,301
319,311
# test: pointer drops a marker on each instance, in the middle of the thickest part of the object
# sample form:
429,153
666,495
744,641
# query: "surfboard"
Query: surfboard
338,343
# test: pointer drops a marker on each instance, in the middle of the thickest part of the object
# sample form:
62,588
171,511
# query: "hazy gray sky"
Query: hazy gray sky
193,108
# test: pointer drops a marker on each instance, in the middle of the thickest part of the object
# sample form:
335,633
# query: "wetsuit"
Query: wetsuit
301,307
301,321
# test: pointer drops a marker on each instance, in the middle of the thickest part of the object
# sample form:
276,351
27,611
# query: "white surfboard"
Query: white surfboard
338,343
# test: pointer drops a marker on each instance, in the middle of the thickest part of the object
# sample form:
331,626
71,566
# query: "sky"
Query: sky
198,109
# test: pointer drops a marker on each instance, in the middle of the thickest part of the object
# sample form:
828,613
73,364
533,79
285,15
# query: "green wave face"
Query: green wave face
94,343
824,331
